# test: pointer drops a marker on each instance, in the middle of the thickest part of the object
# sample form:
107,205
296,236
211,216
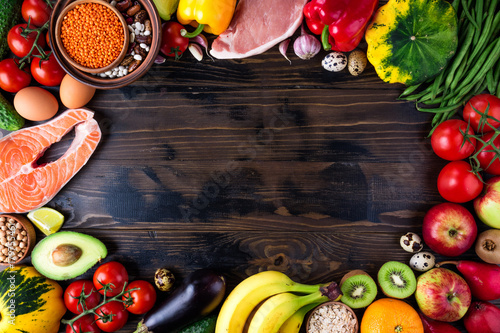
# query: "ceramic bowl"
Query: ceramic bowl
62,49
332,303
95,80
27,226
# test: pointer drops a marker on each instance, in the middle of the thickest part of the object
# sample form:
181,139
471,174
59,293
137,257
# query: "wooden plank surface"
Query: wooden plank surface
253,164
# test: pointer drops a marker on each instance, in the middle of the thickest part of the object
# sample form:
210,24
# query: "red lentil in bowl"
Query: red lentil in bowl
92,35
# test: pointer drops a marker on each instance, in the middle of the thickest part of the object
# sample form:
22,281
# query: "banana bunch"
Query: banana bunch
270,302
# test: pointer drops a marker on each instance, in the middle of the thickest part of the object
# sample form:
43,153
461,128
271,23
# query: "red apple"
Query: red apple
482,317
449,229
487,204
442,295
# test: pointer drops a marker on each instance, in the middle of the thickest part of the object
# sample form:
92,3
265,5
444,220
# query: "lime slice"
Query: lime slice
47,219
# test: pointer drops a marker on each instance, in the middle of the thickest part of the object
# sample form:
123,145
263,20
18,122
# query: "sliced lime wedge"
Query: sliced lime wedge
47,219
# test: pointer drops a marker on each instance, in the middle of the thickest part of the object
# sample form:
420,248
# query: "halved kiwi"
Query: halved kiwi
358,289
397,280
488,246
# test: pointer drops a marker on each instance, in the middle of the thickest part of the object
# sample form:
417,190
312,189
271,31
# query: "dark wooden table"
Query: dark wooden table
250,165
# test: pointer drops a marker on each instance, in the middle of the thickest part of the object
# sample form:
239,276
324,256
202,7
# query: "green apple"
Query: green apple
442,295
487,204
166,8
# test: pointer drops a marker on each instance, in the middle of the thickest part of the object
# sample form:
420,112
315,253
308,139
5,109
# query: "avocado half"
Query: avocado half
67,254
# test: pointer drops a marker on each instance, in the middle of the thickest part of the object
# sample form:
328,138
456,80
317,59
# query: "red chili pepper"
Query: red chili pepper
340,22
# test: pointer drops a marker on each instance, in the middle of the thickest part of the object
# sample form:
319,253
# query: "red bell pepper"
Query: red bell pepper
341,23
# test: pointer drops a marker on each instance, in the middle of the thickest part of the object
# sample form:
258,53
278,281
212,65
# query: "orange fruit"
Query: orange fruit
388,315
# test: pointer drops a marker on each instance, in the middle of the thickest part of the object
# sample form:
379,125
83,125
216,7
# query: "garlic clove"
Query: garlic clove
196,51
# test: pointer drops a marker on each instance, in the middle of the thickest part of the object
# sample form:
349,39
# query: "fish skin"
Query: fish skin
24,185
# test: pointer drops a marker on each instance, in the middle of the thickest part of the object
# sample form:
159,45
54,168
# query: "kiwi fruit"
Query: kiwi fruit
488,246
397,280
358,289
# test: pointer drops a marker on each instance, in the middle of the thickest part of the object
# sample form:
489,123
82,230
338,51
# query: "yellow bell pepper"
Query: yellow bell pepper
213,16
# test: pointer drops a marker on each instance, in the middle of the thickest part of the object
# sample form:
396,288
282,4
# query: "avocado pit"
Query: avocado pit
66,255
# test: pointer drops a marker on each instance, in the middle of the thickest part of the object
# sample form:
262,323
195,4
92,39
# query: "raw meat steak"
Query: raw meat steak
258,25
24,185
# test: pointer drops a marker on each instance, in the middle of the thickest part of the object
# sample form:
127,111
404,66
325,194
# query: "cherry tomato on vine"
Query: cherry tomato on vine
173,44
110,273
20,45
456,182
47,72
73,292
448,141
485,156
143,299
480,103
111,316
36,11
13,79
85,324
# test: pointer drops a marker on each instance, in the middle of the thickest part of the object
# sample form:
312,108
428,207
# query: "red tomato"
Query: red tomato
481,103
73,292
111,316
173,44
448,141
36,11
13,79
85,324
485,157
456,183
47,72
112,273
143,299
20,45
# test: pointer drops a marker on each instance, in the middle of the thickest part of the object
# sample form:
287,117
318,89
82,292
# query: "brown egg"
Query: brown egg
35,104
75,94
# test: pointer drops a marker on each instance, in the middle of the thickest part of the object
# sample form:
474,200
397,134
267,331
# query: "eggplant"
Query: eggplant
199,294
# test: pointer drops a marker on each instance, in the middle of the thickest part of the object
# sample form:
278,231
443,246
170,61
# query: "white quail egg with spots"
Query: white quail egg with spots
334,62
422,261
411,242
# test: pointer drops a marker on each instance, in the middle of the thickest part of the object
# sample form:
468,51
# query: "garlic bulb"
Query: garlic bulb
306,46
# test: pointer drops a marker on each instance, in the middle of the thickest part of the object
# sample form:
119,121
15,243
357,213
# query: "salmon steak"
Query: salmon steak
25,185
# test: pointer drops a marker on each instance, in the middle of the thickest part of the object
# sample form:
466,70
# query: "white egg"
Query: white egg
411,242
334,62
422,261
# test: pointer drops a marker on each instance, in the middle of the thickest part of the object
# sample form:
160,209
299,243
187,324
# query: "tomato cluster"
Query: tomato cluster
475,137
28,43
111,280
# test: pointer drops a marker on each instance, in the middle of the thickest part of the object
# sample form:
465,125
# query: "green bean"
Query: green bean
436,85
496,27
417,96
462,68
459,56
439,110
491,81
468,14
483,64
409,90
482,40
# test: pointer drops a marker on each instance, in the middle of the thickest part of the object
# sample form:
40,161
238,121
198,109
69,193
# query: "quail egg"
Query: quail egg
334,62
422,261
411,242
164,279
356,63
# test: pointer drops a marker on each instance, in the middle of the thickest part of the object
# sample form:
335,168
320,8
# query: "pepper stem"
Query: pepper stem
324,39
199,29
